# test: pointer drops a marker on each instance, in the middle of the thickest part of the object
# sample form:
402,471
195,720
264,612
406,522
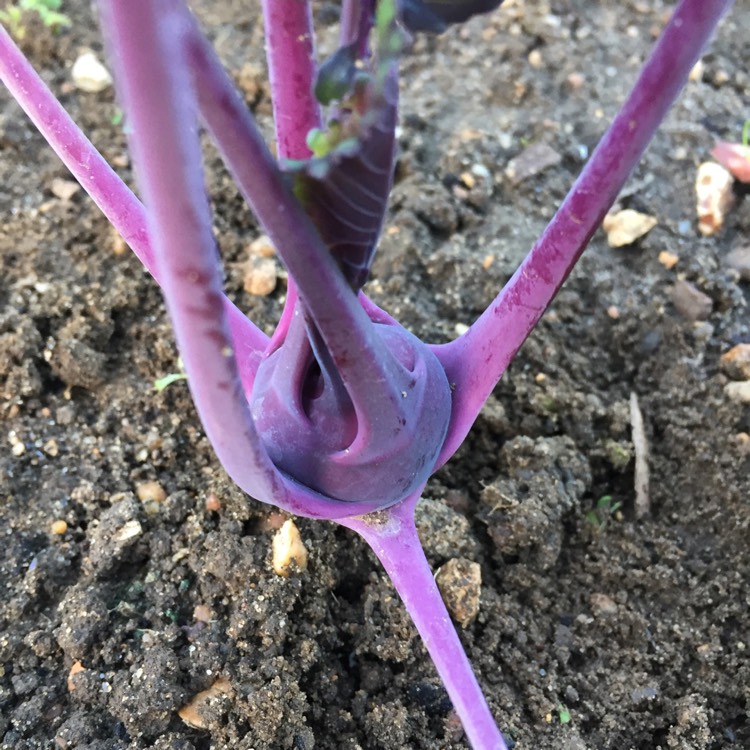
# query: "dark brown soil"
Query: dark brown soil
637,631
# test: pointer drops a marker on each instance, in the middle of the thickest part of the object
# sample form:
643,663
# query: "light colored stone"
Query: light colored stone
603,605
89,74
460,584
713,193
288,548
690,301
531,161
736,362
128,531
260,276
668,260
192,713
626,226
150,491
738,391
735,157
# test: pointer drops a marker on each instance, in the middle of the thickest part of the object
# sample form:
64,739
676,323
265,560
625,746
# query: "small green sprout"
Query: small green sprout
603,512
746,134
563,714
47,10
173,377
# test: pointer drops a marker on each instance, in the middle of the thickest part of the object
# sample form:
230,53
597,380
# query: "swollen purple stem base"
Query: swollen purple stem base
392,535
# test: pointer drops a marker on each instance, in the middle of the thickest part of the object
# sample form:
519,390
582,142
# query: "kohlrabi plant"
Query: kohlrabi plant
341,414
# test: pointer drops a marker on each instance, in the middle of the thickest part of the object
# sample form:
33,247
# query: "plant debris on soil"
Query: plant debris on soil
153,618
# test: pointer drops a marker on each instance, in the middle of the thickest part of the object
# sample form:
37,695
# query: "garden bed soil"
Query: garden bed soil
597,629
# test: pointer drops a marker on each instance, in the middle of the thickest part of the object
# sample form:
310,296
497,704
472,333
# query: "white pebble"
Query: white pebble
89,74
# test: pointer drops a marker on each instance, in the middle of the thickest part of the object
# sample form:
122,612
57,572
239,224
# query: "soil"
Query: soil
596,629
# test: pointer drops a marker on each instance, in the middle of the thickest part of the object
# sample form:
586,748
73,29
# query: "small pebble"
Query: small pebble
739,392
262,247
64,189
260,276
119,246
58,528
736,362
713,193
739,260
89,74
77,668
576,80
735,157
625,227
202,613
535,59
150,491
51,448
696,72
690,302
460,584
192,713
602,605
129,530
288,548
638,695
531,161
213,504
668,260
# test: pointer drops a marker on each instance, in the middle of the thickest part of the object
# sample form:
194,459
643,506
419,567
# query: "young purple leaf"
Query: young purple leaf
344,187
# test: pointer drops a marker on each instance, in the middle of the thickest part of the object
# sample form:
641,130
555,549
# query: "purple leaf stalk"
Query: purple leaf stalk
342,414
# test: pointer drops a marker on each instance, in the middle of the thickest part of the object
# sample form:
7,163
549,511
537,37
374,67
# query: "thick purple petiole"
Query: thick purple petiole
392,535
476,361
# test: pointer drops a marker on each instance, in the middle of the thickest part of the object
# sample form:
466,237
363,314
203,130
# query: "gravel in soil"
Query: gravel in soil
594,630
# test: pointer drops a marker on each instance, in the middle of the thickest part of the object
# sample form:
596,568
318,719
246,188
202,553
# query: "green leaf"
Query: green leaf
167,380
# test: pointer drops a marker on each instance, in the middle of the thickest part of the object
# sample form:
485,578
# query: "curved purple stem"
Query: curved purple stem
392,535
167,153
373,378
356,21
290,52
118,203
476,361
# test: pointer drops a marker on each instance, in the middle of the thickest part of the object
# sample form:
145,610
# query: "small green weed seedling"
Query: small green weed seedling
15,14
605,510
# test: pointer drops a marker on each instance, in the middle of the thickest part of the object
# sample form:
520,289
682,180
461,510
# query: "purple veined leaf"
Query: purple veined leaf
436,15
345,185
